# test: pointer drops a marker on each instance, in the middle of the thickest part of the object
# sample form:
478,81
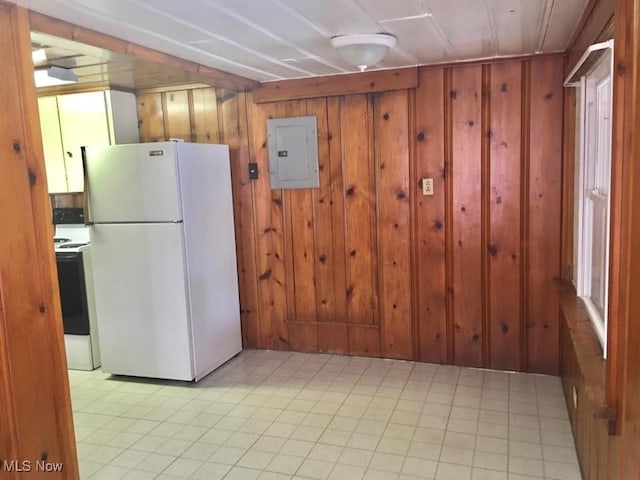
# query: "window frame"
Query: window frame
588,139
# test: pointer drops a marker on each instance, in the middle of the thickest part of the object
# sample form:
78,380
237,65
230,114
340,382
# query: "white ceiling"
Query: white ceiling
277,39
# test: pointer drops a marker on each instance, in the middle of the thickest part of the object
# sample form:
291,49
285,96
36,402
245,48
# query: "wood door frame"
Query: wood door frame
36,422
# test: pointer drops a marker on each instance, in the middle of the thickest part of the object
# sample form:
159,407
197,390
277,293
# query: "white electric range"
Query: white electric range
75,279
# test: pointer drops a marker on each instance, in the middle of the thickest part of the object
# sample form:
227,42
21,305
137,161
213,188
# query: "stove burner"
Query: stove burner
60,240
72,245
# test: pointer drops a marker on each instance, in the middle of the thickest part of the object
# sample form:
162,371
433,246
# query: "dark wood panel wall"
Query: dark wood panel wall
606,415
367,265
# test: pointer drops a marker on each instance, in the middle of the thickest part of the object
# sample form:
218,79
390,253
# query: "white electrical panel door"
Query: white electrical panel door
293,152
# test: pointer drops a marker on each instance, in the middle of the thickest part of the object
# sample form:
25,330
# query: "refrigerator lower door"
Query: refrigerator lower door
141,300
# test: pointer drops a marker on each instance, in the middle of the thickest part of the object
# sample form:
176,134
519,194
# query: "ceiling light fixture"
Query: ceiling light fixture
363,49
51,76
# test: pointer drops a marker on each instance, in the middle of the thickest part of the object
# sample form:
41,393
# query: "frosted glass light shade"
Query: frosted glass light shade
363,49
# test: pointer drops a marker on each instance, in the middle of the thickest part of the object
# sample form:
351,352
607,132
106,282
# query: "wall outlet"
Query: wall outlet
575,398
427,186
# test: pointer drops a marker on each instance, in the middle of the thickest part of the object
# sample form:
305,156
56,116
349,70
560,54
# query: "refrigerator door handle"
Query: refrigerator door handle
133,223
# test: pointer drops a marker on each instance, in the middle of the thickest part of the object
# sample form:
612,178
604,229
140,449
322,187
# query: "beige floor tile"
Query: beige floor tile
393,445
241,473
299,448
372,474
183,467
387,462
315,469
526,466
356,457
344,472
227,455
456,455
483,474
155,462
427,451
447,471
293,416
418,467
286,464
490,461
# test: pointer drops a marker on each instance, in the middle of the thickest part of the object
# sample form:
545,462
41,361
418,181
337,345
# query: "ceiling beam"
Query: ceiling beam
332,85
59,28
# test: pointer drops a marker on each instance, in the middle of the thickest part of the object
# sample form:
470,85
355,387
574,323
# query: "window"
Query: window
593,174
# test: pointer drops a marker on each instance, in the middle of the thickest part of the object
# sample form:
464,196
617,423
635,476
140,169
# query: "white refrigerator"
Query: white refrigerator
164,258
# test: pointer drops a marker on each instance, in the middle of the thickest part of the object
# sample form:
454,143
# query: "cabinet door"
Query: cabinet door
52,145
83,122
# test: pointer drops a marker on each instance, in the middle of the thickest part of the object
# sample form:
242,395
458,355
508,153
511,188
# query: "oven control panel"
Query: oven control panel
67,216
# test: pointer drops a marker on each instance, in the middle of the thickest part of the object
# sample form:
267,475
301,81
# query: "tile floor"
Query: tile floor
279,415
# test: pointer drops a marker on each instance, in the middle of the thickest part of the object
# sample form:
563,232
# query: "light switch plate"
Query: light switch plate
427,186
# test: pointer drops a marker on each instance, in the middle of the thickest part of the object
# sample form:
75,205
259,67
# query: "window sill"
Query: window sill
588,350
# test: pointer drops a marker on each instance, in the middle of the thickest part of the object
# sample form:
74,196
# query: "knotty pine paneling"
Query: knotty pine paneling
270,242
394,223
544,177
358,173
367,265
504,248
300,248
227,122
466,253
429,216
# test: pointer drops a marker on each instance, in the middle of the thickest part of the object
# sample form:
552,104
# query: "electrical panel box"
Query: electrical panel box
293,152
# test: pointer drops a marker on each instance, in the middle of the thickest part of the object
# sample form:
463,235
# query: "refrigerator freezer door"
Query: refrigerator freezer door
141,300
133,183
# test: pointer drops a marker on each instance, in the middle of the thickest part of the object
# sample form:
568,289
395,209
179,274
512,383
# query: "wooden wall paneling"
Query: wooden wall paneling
177,115
485,210
300,242
281,199
335,85
359,214
623,448
205,126
544,203
429,242
36,421
599,15
627,333
568,181
504,216
524,200
466,149
151,117
234,132
335,337
332,337
391,136
268,211
364,340
319,273
65,200
448,212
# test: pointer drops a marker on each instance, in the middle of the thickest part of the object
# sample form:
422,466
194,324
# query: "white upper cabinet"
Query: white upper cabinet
72,121
52,144
83,121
